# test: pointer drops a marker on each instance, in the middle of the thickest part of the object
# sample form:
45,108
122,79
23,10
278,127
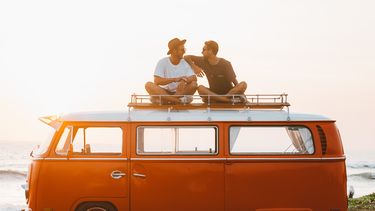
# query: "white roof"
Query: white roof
201,115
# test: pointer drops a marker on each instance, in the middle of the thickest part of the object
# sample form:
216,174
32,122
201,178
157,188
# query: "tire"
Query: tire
96,206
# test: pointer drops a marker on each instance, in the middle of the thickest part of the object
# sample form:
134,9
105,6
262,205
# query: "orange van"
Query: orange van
255,156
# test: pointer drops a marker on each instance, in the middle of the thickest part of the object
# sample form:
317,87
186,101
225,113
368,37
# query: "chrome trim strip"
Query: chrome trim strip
335,158
55,158
98,158
227,159
37,158
182,159
80,159
289,159
200,159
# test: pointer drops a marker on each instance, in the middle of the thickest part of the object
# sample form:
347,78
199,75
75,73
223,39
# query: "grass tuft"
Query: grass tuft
365,202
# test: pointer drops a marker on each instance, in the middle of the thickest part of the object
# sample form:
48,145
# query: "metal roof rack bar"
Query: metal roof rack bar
255,101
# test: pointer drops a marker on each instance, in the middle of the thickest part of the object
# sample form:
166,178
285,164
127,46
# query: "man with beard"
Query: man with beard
220,75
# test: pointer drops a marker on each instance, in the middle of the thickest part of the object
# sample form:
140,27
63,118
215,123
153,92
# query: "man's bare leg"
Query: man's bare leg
202,90
239,89
186,89
154,89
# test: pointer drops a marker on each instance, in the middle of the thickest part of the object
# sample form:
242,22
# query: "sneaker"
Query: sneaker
239,99
236,100
244,99
186,99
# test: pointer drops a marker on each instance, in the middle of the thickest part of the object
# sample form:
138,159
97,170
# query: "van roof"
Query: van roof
265,107
201,115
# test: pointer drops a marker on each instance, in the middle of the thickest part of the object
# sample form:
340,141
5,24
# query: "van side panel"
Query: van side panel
335,149
33,183
257,184
334,144
177,185
289,182
176,182
63,182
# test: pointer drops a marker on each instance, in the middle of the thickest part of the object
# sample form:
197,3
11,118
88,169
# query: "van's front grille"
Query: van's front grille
323,139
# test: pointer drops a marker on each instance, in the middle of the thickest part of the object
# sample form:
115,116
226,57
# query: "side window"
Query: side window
271,140
91,140
177,140
63,145
98,140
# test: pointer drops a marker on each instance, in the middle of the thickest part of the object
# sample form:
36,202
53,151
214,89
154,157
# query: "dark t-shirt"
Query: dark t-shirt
219,76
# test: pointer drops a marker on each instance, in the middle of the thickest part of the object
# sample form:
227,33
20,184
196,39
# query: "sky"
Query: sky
58,57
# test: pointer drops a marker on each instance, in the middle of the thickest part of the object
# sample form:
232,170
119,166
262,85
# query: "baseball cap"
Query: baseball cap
174,43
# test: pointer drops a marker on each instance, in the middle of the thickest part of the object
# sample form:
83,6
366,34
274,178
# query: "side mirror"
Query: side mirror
32,151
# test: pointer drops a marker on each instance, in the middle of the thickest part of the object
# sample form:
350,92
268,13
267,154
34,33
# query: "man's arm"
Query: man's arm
164,81
189,60
197,70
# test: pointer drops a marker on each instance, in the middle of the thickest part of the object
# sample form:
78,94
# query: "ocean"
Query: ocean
14,160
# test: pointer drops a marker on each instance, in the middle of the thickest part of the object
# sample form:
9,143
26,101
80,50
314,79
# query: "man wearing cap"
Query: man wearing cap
173,76
220,75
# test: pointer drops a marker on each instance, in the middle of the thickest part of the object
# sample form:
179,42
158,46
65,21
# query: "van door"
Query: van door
94,174
176,167
273,167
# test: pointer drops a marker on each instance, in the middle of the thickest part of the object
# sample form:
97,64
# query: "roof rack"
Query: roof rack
256,101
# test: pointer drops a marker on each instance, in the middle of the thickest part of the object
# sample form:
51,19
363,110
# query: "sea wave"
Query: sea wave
364,175
11,207
12,174
357,165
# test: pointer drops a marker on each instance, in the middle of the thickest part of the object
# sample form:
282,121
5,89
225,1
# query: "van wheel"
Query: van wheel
96,206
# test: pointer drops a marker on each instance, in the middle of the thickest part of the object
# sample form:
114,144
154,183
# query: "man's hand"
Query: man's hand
184,79
181,85
197,70
179,79
164,81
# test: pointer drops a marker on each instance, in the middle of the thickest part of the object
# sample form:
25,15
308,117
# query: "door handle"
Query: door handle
117,174
139,175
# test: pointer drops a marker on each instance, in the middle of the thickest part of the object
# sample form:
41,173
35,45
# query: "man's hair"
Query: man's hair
212,45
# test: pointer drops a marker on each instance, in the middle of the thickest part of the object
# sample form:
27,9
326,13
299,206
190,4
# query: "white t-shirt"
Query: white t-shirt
165,69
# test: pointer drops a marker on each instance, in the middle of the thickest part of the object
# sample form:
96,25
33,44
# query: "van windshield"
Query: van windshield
43,147
55,124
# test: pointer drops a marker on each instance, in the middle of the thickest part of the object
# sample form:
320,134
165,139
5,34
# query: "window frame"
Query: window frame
59,139
269,153
76,126
215,127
